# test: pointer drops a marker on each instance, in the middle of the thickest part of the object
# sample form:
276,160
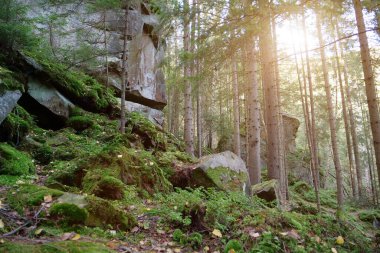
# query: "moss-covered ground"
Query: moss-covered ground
121,199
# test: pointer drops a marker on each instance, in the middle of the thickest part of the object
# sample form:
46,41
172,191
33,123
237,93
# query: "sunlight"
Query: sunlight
290,37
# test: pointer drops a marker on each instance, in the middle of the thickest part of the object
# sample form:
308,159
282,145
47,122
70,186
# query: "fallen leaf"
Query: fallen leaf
293,234
206,249
333,250
284,233
38,231
112,245
1,224
76,237
48,198
177,250
339,240
254,234
135,229
231,251
217,233
67,236
2,241
317,239
160,231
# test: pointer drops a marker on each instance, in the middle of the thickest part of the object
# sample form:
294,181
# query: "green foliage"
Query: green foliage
55,247
14,162
233,245
8,81
43,154
194,239
16,125
369,215
268,243
29,195
68,214
79,123
15,28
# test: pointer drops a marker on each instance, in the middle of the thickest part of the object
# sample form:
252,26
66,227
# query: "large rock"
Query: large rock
49,97
225,171
8,101
267,190
146,84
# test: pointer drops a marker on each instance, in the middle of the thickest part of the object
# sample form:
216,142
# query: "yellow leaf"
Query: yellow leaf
206,249
333,250
48,198
38,231
217,233
339,240
1,224
76,237
231,251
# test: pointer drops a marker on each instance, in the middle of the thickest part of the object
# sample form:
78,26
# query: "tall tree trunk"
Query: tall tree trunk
312,125
346,122
106,45
369,80
275,165
253,116
352,120
188,122
237,148
332,122
305,109
124,73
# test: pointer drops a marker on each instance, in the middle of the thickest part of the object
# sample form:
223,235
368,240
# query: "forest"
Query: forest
189,126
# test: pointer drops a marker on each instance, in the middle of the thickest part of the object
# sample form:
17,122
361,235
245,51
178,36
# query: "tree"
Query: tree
276,169
124,73
369,80
332,121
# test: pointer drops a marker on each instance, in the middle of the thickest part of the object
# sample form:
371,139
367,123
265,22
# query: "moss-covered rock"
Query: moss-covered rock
267,190
56,247
16,125
107,187
14,162
68,214
103,213
80,123
43,154
369,215
29,196
9,80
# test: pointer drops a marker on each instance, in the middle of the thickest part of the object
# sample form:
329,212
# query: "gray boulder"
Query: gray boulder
50,98
8,101
226,170
267,190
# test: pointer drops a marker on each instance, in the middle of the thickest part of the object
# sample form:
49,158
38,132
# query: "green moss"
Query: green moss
68,214
369,215
227,179
6,180
43,154
79,123
234,245
76,85
301,186
102,213
16,125
14,162
28,195
56,247
103,186
8,81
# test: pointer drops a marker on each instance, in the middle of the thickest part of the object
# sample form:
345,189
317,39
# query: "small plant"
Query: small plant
194,240
68,214
234,245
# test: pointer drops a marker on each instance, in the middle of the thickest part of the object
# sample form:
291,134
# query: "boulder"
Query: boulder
225,171
267,190
8,101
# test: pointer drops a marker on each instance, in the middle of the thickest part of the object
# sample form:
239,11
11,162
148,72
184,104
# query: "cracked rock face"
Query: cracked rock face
8,101
100,34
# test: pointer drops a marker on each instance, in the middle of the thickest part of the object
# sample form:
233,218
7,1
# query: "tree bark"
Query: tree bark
188,122
332,122
124,73
275,165
253,111
237,148
369,80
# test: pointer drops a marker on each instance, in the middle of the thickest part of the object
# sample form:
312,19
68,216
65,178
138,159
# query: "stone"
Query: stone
225,171
50,98
267,190
71,198
155,116
8,101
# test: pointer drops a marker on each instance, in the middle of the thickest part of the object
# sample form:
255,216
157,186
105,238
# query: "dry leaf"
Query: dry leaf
76,237
67,236
254,234
293,234
119,156
206,249
231,251
48,198
38,231
177,250
217,233
135,229
339,240
333,250
1,224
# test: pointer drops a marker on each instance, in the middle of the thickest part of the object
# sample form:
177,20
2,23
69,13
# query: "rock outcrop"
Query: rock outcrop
8,101
104,37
